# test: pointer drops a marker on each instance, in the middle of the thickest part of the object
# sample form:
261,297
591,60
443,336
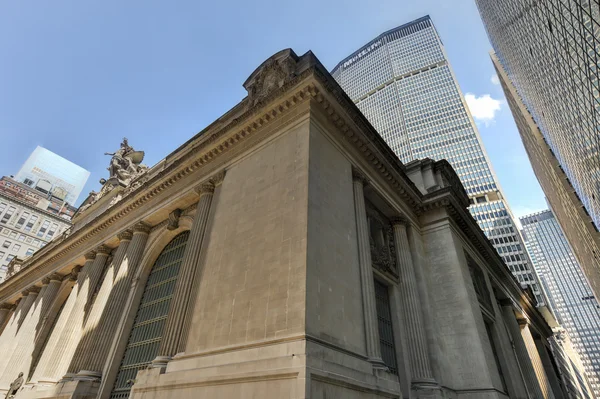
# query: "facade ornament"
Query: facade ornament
103,250
14,387
399,220
174,219
205,188
74,273
125,235
270,76
381,240
125,167
142,227
217,179
358,175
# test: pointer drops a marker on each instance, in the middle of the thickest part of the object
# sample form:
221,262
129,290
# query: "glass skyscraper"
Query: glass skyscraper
53,174
549,52
568,292
403,83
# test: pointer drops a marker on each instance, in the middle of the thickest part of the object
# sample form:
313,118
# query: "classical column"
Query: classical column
420,365
176,328
91,331
93,361
534,357
553,378
86,283
366,272
5,314
531,382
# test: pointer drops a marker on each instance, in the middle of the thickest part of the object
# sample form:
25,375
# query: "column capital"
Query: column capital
6,306
53,277
90,255
400,221
359,176
31,290
125,235
205,188
522,321
103,250
142,228
217,179
73,274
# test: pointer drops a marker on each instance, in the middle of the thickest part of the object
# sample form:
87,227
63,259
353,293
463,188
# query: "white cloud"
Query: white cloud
495,79
483,108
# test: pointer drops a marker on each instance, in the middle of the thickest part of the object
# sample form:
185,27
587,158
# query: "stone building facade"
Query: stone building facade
283,252
28,221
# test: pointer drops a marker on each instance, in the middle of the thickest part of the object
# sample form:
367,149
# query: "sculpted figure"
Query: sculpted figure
14,387
125,163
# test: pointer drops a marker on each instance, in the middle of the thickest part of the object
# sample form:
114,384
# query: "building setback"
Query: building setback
403,83
547,52
568,292
282,252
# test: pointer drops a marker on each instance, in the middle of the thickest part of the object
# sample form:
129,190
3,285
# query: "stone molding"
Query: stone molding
125,235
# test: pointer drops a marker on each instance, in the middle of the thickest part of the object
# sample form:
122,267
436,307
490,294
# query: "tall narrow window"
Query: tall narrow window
146,334
386,332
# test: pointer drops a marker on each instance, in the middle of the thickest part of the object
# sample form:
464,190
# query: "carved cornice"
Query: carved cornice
125,235
217,179
173,221
103,250
205,188
142,228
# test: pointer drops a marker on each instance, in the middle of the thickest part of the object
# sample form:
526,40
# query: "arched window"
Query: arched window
146,333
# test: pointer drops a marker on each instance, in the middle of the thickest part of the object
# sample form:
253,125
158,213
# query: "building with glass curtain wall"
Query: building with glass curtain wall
569,294
53,174
403,83
548,51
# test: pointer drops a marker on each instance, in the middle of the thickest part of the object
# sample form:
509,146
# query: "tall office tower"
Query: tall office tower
53,174
569,295
403,83
548,52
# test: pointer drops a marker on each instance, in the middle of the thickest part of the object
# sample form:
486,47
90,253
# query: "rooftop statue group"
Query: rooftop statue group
125,166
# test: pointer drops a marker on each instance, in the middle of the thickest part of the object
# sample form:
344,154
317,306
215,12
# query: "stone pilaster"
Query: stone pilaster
534,357
46,367
86,283
366,272
17,343
91,331
176,328
420,365
5,314
94,359
531,382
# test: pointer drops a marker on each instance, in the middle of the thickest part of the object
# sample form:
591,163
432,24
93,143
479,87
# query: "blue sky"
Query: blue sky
76,76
